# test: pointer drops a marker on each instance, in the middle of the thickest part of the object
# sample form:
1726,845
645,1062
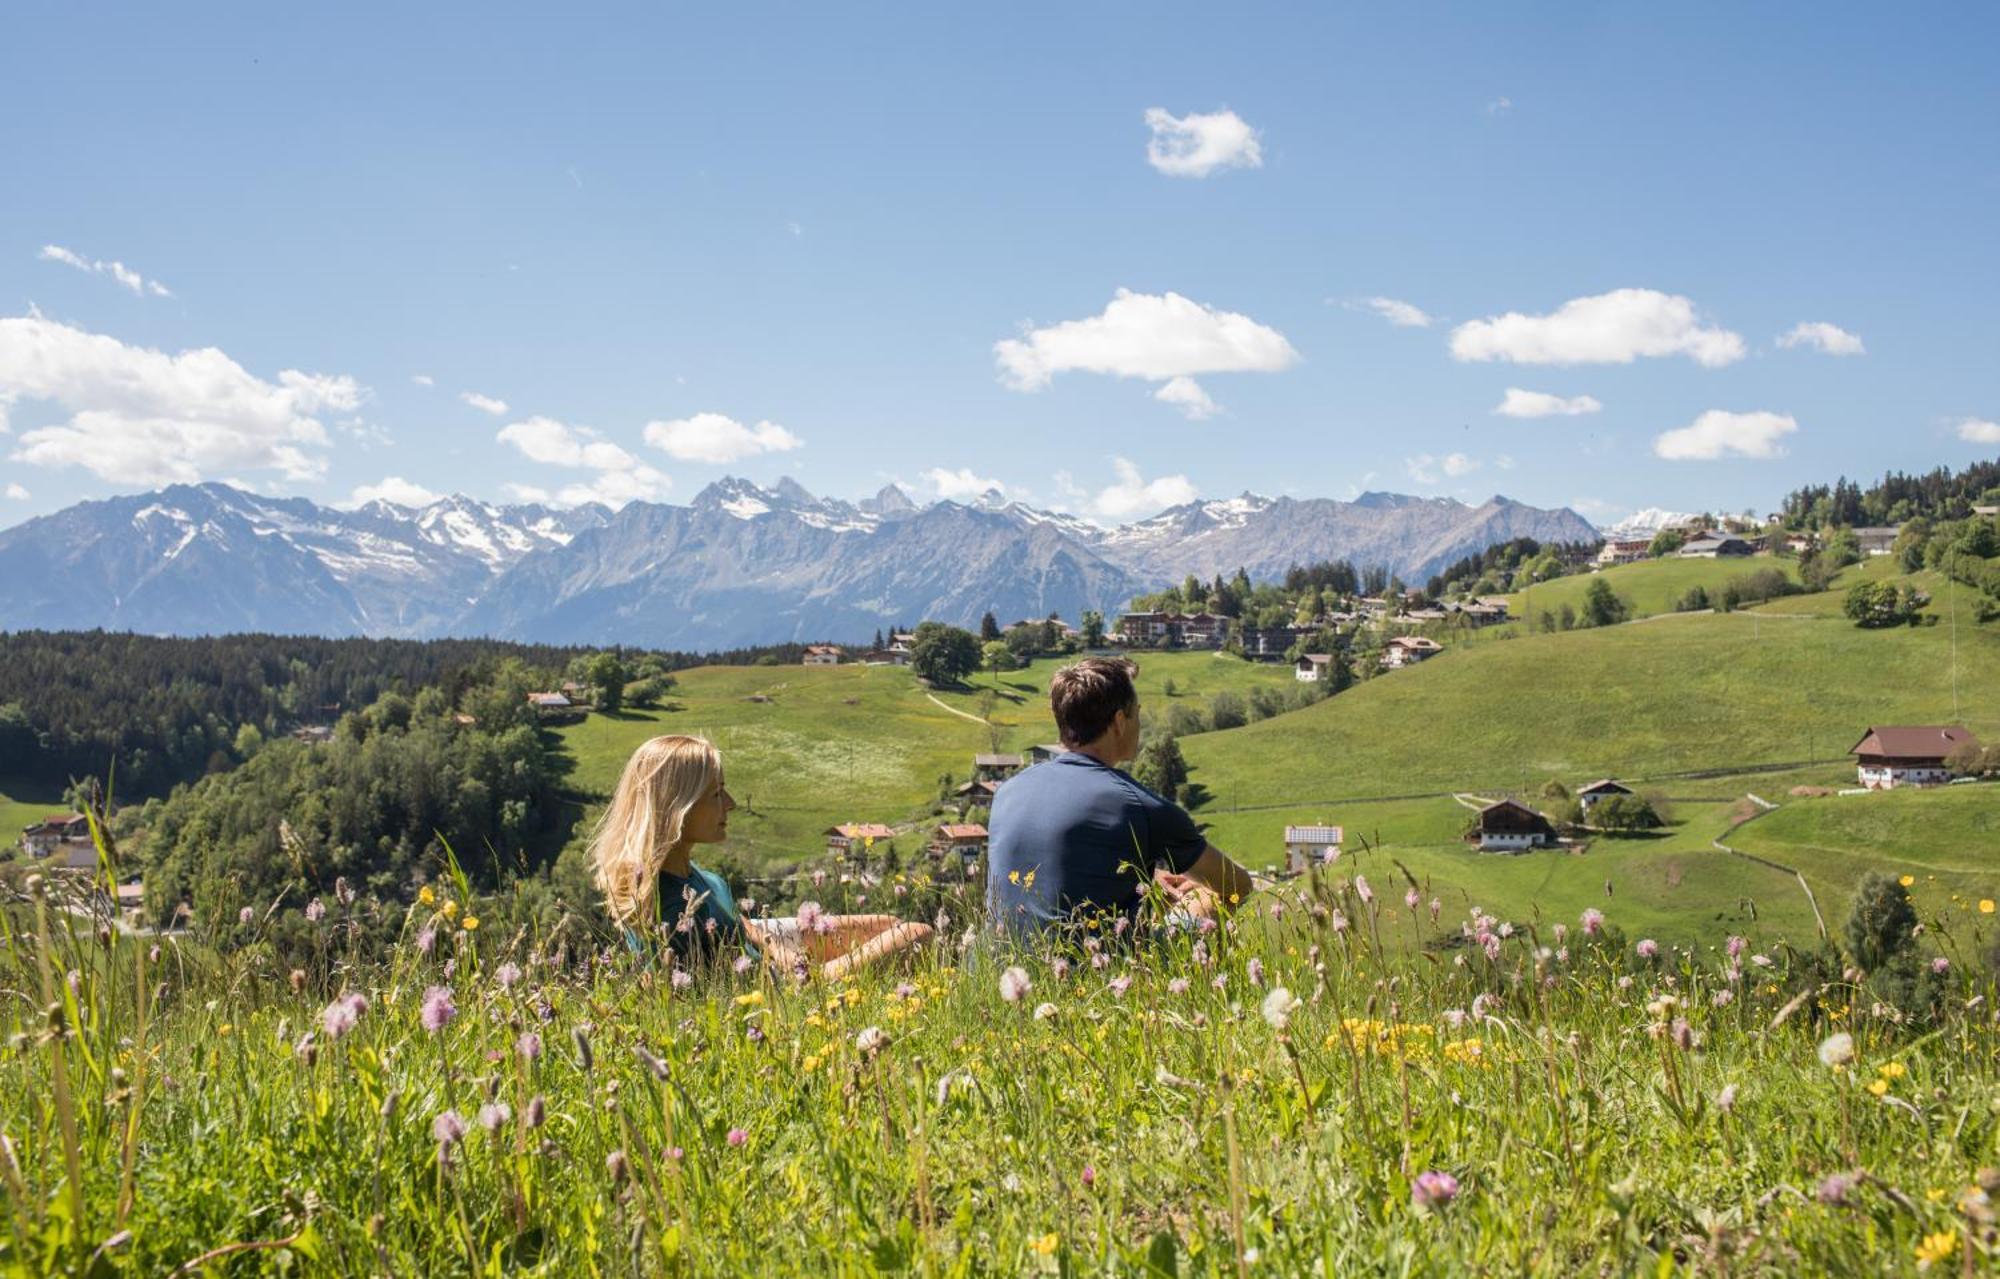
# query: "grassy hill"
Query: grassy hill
856,743
1649,587
1649,702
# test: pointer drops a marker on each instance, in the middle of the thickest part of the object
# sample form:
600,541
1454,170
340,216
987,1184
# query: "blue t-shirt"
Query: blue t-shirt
1066,836
715,925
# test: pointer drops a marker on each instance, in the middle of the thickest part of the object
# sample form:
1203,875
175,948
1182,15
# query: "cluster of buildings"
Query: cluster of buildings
964,840
1702,542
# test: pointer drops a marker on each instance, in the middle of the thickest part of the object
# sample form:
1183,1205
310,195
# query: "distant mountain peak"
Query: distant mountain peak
889,500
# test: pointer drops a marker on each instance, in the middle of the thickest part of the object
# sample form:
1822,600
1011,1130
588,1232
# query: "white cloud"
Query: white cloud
126,276
484,403
1610,328
1718,433
1404,315
423,379
1186,394
1821,336
1157,337
140,416
620,477
528,493
15,493
1519,403
712,437
1425,468
393,489
956,486
1134,495
1196,145
1975,431
1500,106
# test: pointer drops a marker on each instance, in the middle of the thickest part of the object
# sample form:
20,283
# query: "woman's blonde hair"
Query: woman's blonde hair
664,778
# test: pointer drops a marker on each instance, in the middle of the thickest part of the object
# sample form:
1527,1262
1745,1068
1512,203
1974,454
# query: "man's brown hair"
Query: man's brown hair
1088,695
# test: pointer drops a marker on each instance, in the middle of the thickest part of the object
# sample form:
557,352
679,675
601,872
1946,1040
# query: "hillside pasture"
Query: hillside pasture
1649,587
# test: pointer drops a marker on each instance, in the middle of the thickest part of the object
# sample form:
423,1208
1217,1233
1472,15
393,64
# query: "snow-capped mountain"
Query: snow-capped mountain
1647,522
740,564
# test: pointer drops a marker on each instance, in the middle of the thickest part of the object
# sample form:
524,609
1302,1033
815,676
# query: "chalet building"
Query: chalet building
1168,630
1623,550
822,655
58,832
886,657
1800,543
1044,753
853,838
550,705
977,792
1204,630
130,903
995,768
313,734
964,840
1891,756
1408,650
1598,790
1308,845
1271,643
1711,546
1141,629
1311,668
1509,827
1878,540
575,692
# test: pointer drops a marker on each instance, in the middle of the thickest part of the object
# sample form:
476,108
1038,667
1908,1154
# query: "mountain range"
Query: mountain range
741,564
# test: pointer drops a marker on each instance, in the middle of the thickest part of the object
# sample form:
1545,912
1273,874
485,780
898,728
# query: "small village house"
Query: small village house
56,833
1408,650
852,839
1044,753
1888,756
1877,540
1141,629
977,792
964,840
822,655
995,768
1623,550
1711,546
550,705
1312,667
1307,845
1510,827
1600,790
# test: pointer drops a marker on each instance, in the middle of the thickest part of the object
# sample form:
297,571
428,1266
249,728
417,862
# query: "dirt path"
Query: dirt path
953,710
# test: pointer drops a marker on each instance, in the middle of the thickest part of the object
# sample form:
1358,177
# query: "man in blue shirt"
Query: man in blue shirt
1077,837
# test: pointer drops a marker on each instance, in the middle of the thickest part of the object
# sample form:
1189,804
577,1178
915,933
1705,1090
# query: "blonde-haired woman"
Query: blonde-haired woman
671,797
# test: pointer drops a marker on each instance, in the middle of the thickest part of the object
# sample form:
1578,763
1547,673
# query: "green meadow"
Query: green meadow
1648,587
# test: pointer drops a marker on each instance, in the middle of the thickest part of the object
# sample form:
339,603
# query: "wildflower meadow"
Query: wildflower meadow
1337,1080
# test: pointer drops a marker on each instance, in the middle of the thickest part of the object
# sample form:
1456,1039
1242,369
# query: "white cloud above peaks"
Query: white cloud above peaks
716,438
1610,328
1187,395
1818,335
1196,144
124,275
484,403
1520,403
393,489
1426,468
619,477
1134,495
1719,433
1977,431
141,416
958,485
1157,337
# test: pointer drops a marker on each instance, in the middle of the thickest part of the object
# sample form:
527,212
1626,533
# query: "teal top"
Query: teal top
699,915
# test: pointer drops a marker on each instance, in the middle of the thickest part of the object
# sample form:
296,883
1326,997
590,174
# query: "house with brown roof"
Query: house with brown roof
822,655
1888,756
1623,550
851,838
1312,667
1307,845
1600,790
1408,650
965,840
1877,540
977,792
58,832
550,705
1510,827
995,768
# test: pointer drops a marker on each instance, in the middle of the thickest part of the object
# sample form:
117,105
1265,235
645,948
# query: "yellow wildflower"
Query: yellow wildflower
425,895
1028,880
1878,1086
810,1064
1938,1247
471,923
1935,1194
225,1028
1014,877
750,1000
449,909
853,997
1046,1245
1986,905
1892,1070
1907,880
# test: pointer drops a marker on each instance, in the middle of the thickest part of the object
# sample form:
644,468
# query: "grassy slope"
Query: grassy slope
1639,701
1650,586
808,758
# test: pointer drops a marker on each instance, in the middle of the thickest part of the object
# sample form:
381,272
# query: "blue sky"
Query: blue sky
645,233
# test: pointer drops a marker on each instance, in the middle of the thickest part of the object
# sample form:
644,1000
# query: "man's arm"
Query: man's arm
1215,872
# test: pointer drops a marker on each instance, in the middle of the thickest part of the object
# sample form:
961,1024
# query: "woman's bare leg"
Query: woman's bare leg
893,940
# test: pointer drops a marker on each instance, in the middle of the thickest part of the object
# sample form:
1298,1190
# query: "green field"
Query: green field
1645,702
1648,587
856,743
